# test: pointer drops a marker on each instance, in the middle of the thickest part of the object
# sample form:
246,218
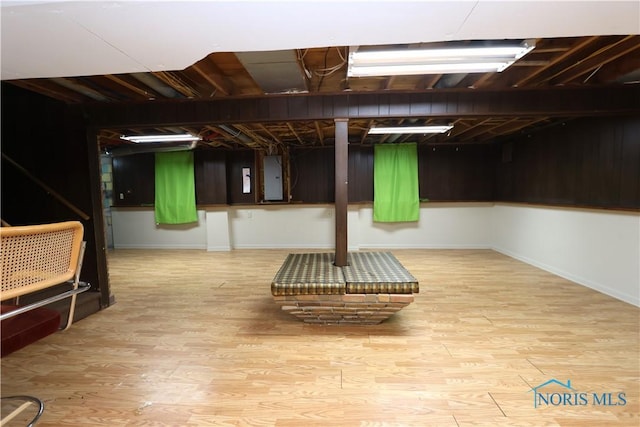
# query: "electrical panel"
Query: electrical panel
272,167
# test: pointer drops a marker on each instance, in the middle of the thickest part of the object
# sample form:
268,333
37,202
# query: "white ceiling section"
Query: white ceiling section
64,39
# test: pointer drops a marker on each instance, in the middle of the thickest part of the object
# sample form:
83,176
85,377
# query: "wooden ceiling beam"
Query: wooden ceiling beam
215,81
118,80
514,125
216,142
536,102
366,132
510,127
483,80
259,140
293,131
555,64
596,60
388,82
319,132
429,81
271,134
476,130
618,70
176,84
456,125
44,87
229,136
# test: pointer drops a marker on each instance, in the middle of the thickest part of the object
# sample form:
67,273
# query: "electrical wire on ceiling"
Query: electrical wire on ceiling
325,71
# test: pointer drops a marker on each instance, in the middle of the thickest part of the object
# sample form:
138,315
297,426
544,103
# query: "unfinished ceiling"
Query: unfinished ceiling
267,48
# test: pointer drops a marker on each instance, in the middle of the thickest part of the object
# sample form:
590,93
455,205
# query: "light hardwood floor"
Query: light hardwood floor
195,339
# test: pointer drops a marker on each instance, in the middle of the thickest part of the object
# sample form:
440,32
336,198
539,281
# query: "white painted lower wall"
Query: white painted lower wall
282,226
596,248
136,228
442,225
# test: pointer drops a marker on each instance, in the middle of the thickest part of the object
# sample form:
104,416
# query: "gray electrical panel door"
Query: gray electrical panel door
272,167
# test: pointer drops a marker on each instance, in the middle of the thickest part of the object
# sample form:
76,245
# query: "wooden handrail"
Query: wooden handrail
48,189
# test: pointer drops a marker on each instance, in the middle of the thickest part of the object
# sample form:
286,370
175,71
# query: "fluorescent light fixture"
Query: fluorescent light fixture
410,129
479,59
184,137
125,150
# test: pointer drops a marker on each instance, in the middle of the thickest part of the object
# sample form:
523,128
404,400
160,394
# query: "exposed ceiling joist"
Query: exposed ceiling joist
593,47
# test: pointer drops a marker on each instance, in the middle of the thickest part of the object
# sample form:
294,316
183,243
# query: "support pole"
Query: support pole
341,193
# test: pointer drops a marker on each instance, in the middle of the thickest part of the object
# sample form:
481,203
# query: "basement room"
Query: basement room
345,213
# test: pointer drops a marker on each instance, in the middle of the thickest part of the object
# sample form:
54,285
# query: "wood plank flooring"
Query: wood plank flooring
195,339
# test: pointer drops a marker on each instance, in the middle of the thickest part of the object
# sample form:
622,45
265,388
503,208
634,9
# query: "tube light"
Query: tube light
161,138
435,61
410,129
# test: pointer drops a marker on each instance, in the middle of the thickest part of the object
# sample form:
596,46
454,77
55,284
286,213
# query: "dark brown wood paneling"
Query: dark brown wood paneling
591,162
583,162
360,173
211,177
236,160
630,164
48,139
457,173
599,144
134,180
312,175
559,181
539,102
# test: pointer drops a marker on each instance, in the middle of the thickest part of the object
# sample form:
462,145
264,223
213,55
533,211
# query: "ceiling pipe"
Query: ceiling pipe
157,85
69,84
236,134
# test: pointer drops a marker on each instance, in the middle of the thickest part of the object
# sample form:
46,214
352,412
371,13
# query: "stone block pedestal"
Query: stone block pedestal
363,309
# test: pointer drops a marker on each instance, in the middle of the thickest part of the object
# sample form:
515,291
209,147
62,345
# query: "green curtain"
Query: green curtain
395,183
175,198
